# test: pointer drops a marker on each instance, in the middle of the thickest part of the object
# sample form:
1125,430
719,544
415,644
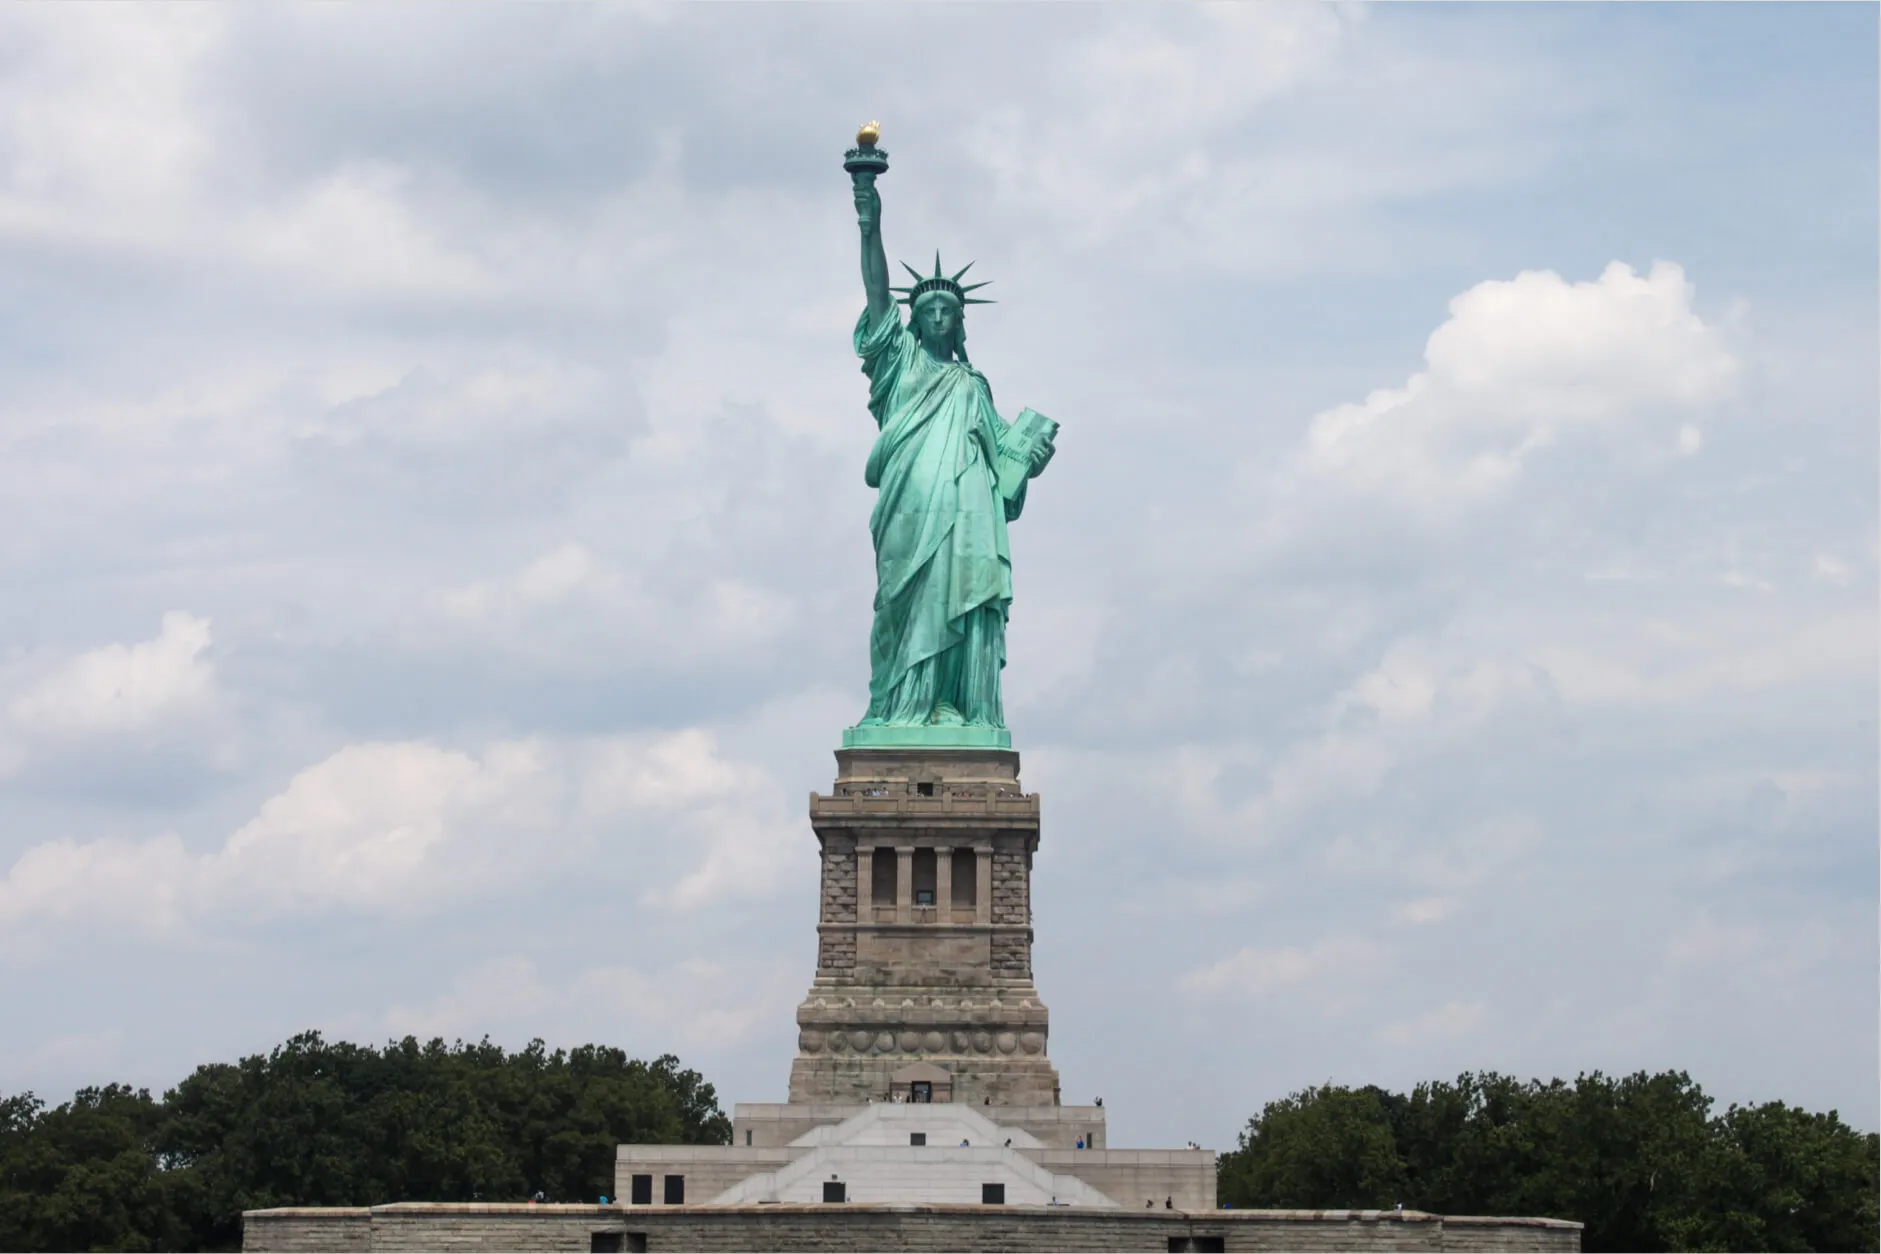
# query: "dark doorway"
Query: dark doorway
992,1195
921,1091
835,1191
675,1190
640,1192
917,1138
605,1243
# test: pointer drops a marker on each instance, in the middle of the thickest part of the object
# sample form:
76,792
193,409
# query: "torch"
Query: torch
865,160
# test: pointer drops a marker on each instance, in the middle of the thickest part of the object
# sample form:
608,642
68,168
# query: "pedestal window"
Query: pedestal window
924,877
966,877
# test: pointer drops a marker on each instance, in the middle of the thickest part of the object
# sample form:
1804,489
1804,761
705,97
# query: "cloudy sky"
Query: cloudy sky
434,566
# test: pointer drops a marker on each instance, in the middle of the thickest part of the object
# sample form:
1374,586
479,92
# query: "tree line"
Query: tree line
1643,1161
314,1123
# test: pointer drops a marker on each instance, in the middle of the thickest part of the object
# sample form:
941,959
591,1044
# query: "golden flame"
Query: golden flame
868,134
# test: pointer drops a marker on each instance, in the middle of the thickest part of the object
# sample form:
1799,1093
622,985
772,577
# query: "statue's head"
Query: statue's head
937,307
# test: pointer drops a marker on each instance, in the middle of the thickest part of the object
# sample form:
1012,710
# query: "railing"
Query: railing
861,801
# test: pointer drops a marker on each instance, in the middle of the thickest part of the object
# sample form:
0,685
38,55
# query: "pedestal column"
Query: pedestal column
983,886
904,883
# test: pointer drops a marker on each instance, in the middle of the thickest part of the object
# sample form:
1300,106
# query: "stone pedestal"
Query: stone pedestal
923,986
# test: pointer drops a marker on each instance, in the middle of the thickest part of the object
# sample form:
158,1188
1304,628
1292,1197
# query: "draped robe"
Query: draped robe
942,566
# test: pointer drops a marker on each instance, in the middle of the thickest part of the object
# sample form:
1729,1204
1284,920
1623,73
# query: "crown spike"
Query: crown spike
939,282
975,300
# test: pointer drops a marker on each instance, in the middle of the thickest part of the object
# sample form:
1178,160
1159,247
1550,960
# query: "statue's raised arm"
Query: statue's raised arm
874,258
863,168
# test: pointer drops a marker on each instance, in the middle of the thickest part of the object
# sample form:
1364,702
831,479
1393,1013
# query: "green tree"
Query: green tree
314,1123
1640,1160
1319,1148
1788,1179
319,1124
83,1176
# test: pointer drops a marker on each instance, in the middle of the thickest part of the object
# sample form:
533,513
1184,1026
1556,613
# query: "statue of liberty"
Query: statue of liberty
950,474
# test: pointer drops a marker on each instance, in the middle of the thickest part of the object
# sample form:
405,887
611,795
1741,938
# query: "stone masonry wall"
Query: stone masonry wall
1011,896
836,947
1012,955
1012,906
836,951
839,880
480,1227
310,1230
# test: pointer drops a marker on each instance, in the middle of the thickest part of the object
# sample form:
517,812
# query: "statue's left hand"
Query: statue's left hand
1041,457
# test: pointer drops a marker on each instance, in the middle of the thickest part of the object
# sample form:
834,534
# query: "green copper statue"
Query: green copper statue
950,474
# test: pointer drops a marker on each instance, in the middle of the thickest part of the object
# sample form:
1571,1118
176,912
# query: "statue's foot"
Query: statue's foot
945,715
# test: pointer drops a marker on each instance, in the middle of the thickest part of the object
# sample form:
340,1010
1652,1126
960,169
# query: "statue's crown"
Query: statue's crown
939,282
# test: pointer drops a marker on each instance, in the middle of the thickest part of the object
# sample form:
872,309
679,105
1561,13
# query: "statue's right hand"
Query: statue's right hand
868,207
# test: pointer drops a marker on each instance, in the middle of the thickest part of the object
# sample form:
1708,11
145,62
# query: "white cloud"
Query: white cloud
116,703
102,134
120,688
389,826
141,884
401,828
1521,366
1451,1021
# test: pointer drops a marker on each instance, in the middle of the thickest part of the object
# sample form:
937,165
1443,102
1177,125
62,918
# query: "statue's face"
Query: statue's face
935,321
